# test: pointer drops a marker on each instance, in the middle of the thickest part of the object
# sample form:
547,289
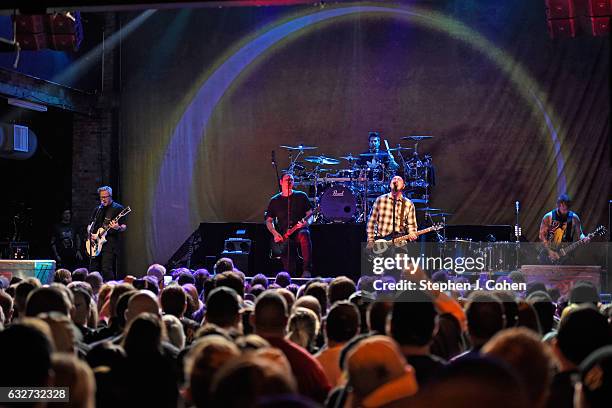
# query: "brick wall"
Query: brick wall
94,143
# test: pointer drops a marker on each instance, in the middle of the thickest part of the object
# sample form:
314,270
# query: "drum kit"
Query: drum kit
346,187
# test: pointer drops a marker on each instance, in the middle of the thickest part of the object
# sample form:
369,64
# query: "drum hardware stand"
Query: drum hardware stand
276,168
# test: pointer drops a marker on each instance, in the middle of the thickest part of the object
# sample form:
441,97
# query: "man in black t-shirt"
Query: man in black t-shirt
287,209
102,217
66,243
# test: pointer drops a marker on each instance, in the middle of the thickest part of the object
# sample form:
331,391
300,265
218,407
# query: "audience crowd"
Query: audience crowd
222,340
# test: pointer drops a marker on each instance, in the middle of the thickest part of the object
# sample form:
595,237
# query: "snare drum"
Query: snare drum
338,204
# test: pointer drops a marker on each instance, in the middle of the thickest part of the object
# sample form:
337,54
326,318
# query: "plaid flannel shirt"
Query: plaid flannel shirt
380,223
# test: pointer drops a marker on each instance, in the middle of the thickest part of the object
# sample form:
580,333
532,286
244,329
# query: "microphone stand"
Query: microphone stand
393,192
517,233
289,263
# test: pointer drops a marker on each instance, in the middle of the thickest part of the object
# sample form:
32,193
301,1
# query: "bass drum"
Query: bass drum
338,204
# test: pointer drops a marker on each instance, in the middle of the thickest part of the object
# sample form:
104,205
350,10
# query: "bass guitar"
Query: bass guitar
96,240
279,247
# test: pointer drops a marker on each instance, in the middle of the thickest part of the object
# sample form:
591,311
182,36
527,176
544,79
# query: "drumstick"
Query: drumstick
387,146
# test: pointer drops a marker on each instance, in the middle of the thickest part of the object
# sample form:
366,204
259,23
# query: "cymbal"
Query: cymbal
299,147
393,149
416,138
322,160
379,154
429,209
349,157
441,214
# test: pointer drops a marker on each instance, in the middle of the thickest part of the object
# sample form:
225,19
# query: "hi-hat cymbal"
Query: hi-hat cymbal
393,149
416,138
429,209
299,147
322,160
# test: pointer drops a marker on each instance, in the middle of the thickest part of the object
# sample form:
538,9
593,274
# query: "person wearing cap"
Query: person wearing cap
581,332
378,374
595,387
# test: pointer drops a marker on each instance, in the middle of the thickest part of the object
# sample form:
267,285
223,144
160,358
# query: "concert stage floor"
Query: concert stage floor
336,248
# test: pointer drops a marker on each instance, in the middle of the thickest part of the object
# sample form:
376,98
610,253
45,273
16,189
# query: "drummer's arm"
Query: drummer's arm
392,163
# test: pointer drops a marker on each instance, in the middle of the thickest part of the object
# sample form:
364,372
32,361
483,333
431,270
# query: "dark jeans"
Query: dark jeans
288,252
105,264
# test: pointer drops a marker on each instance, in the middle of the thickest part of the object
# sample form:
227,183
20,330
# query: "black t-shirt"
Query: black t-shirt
427,368
65,237
277,209
104,216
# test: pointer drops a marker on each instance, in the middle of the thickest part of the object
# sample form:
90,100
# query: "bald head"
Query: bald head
270,317
142,301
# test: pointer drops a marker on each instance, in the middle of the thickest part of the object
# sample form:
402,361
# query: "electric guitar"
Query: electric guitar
381,244
564,251
94,244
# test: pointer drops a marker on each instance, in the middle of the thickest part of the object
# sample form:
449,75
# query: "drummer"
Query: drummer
376,158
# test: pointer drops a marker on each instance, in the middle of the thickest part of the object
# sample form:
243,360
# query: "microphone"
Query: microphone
273,157
516,205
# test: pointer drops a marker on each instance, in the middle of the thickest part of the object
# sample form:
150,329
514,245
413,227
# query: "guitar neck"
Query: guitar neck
294,228
574,245
116,219
418,233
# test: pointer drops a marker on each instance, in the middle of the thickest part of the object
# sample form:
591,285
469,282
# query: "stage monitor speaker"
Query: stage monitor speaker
32,41
562,28
593,8
560,9
240,259
596,26
29,24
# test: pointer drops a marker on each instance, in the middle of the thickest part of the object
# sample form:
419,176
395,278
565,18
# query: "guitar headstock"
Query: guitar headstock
437,227
125,211
599,231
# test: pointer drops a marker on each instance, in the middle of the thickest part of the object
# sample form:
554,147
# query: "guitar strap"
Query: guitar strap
402,214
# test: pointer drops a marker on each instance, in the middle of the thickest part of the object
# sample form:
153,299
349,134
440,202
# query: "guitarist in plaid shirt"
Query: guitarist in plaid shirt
381,222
